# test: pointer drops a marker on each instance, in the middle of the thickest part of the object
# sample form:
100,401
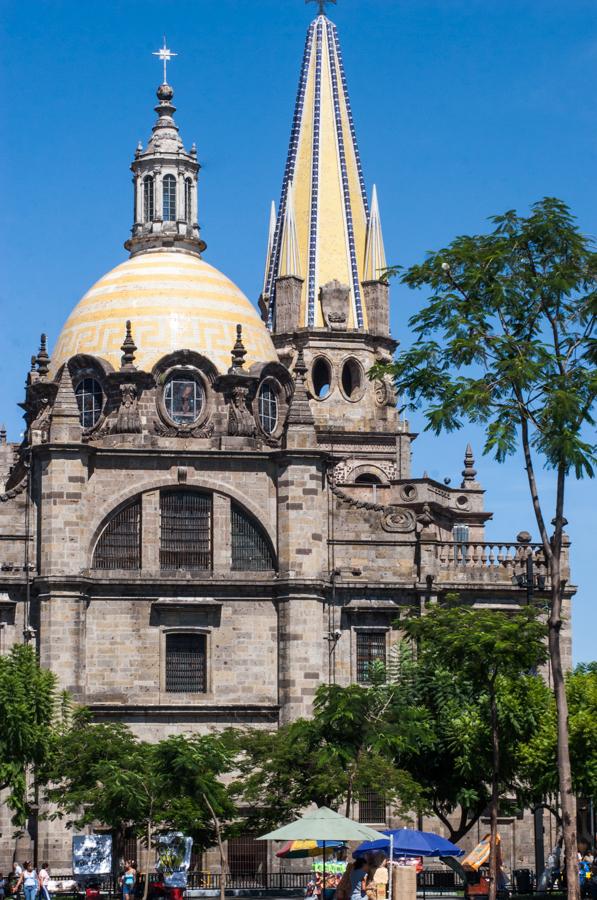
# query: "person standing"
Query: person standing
44,881
129,877
29,881
358,880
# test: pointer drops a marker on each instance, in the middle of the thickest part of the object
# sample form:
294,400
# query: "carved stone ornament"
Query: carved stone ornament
240,418
385,395
398,520
202,431
335,303
128,420
40,426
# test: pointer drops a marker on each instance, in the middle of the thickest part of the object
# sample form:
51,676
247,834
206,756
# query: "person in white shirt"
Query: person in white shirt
44,881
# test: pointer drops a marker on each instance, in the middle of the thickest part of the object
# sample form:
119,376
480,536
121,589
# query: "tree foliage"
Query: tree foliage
345,750
29,703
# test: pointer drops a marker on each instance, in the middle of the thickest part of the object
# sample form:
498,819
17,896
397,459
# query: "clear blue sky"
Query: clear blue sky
463,108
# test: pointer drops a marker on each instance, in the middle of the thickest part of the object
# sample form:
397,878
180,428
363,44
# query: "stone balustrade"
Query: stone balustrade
500,560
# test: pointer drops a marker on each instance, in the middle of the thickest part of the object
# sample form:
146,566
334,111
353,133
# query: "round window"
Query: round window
352,378
184,397
268,408
90,399
321,377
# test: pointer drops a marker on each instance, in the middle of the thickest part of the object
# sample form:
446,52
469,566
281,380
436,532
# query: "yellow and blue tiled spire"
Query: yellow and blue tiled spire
323,180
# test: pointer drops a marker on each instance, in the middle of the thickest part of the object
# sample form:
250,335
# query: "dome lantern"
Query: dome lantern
165,178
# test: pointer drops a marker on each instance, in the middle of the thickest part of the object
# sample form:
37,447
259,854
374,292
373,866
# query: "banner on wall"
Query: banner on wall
92,854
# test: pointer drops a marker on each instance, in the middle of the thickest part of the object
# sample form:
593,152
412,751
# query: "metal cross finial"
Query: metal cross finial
321,4
165,55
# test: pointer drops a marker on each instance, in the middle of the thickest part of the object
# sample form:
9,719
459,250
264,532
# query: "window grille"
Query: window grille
148,208
460,536
129,848
188,209
186,663
371,647
268,408
119,546
372,808
185,530
251,551
90,399
247,856
169,198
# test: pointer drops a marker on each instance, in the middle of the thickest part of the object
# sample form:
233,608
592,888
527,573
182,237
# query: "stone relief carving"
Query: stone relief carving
240,417
342,472
335,302
399,520
128,420
202,431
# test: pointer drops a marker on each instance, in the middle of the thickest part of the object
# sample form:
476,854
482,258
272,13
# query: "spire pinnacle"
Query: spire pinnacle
324,178
290,263
128,348
42,360
375,254
165,56
469,472
238,353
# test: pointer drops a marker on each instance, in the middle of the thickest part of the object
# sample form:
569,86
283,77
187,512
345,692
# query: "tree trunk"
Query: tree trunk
223,857
495,795
147,860
553,554
567,798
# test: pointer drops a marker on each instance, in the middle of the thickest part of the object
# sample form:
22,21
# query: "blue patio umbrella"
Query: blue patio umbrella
408,842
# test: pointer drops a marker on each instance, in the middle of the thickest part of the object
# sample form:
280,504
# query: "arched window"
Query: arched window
185,530
268,408
188,193
321,377
119,545
148,207
367,478
251,550
90,399
169,198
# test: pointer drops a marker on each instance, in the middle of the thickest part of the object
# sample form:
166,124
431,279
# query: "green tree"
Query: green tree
452,768
507,340
28,712
539,754
494,651
195,767
344,751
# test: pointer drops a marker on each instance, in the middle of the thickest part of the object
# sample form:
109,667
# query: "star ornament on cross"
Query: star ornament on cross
166,55
322,4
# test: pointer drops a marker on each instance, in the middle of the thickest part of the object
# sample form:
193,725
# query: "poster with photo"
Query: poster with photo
92,854
173,857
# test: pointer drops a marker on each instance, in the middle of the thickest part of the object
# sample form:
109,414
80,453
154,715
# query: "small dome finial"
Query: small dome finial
321,4
128,348
2,433
42,360
238,352
469,472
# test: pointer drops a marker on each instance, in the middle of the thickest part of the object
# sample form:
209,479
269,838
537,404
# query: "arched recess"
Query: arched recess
119,544
368,474
251,547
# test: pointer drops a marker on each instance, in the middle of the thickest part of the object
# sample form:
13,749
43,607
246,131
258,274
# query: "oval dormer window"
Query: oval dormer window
184,397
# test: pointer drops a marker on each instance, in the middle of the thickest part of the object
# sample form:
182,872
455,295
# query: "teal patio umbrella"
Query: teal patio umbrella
323,825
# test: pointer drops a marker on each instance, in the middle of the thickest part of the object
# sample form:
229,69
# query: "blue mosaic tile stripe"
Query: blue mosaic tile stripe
314,178
289,169
345,186
350,118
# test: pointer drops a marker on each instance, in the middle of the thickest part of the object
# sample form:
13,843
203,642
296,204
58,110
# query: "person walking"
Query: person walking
128,880
44,881
29,880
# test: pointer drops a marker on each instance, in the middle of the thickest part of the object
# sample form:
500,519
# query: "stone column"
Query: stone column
150,531
222,545
62,638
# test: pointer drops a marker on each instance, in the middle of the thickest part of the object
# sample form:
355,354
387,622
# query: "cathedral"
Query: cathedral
212,510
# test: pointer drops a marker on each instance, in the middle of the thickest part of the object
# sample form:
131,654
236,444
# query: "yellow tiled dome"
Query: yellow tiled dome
175,301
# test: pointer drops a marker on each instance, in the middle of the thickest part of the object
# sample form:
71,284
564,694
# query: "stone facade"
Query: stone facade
315,533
